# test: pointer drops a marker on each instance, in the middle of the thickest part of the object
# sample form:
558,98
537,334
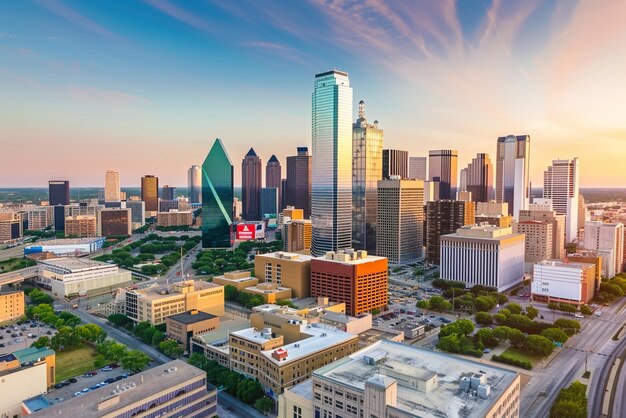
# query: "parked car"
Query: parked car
106,369
579,316
487,350
72,380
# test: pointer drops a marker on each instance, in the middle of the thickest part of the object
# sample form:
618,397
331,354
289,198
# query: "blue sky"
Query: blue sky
144,87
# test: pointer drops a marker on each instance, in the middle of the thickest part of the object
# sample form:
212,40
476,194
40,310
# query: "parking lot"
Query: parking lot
86,383
17,337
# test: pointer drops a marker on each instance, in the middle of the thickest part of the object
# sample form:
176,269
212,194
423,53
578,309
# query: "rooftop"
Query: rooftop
31,354
284,255
221,335
36,404
162,291
484,231
266,288
349,256
138,387
565,264
444,399
67,241
75,265
191,317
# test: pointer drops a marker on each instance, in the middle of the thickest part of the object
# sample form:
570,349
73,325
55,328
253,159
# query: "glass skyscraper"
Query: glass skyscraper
513,172
217,197
331,180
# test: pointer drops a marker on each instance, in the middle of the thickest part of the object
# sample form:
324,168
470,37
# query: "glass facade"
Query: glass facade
194,184
217,197
512,172
58,192
331,180
150,192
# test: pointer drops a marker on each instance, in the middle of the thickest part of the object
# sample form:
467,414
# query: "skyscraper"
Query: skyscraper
331,197
251,167
513,172
168,192
445,217
298,188
217,197
607,239
367,153
112,186
442,167
194,184
58,192
150,193
560,183
417,168
395,163
273,178
269,202
480,178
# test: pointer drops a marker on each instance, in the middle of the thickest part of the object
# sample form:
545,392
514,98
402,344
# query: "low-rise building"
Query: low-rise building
238,279
183,326
563,281
350,324
34,355
389,380
175,218
412,330
285,270
81,226
11,226
270,292
66,246
173,389
114,222
214,345
11,305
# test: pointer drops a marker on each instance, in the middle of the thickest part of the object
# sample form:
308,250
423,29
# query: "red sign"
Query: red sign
246,231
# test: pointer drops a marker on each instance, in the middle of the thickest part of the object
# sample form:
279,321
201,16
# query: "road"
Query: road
228,406
595,340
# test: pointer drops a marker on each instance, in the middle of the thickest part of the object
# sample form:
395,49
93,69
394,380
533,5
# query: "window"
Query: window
297,412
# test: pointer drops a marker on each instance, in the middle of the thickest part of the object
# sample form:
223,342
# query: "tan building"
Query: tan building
238,279
290,213
538,245
80,226
493,213
285,270
156,303
392,380
215,344
39,217
589,257
175,218
11,305
297,235
11,226
270,292
182,327
543,212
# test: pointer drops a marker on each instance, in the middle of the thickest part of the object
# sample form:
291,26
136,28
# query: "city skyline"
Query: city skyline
537,68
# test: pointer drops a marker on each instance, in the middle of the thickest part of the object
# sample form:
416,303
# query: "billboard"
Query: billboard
250,231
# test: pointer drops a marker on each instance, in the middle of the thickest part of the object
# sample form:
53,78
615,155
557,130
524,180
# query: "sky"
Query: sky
144,87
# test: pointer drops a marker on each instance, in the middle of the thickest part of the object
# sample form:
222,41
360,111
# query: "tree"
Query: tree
135,361
230,292
585,310
422,304
514,308
119,319
499,318
539,345
516,337
465,326
37,297
502,333
91,333
171,348
531,312
438,303
41,342
264,405
450,344
568,409
483,318
553,306
485,336
157,337
570,326
375,311
555,334
199,361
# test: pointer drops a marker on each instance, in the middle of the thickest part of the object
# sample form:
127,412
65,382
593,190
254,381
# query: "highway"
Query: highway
594,339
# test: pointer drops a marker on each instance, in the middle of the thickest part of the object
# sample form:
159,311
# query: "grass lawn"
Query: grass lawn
15,264
74,363
522,355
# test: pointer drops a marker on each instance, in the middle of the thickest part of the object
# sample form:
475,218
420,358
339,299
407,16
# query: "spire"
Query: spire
361,109
251,153
273,159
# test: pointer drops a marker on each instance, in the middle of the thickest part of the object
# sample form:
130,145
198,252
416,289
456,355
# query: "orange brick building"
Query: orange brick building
352,277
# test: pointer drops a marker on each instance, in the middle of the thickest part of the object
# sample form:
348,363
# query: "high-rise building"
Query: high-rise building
462,181
217,197
417,168
297,235
395,163
81,226
539,236
400,220
331,196
168,192
194,184
445,217
60,212
367,148
607,238
112,186
480,178
150,193
493,213
269,202
251,185
513,172
58,192
114,222
273,178
137,212
298,187
560,184
442,167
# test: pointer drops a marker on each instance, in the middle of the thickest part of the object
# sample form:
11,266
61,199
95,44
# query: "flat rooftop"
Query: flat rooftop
221,335
576,265
261,289
163,291
191,317
284,255
75,265
446,399
140,386
31,354
66,241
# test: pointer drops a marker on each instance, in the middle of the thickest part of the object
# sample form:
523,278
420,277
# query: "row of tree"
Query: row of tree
46,314
246,299
455,297
149,334
571,402
69,338
131,360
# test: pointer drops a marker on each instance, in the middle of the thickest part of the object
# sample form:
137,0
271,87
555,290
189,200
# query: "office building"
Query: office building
462,181
298,187
167,205
168,192
150,193
395,163
560,184
273,179
175,218
493,213
541,210
352,277
114,222
251,184
290,214
269,202
483,255
240,279
442,167
331,196
480,178
155,303
400,220
64,247
607,238
112,186
175,389
297,235
137,213
81,226
194,184
39,218
285,270
538,238
59,214
417,168
563,281
183,326
11,226
513,172
431,191
367,146
217,197
269,292
71,276
389,379
445,217
58,192
11,305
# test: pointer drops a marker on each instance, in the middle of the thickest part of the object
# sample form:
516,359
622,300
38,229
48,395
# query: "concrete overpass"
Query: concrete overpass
18,276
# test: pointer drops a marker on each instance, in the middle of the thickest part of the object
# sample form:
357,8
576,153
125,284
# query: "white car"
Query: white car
579,316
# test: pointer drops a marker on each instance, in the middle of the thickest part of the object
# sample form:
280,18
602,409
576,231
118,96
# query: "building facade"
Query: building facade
175,218
417,168
58,192
563,281
513,172
480,178
11,305
395,163
137,213
298,190
270,202
114,222
442,167
217,197
560,184
251,185
168,192
81,226
194,184
285,270
182,327
297,235
112,192
150,193
542,212
273,179
607,238
445,217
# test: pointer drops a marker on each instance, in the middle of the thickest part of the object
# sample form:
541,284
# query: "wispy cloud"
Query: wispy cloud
108,97
282,51
175,12
17,78
76,18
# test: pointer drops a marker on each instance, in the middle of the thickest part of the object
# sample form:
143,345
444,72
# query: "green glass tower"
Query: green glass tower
217,197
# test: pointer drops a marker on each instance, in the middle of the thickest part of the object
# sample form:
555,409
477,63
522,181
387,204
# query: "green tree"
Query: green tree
41,342
569,409
230,292
585,310
135,361
485,336
553,306
483,318
264,405
514,308
570,326
438,303
465,326
450,344
516,337
171,348
502,333
199,361
37,297
539,345
499,318
157,337
119,319
531,312
422,304
555,334
375,311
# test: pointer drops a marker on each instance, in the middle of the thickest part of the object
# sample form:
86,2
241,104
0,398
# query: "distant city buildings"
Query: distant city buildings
194,184
442,167
298,185
269,202
273,179
560,184
480,178
81,226
150,194
544,229
417,168
445,217
175,218
114,222
11,305
513,172
297,235
251,184
112,186
608,240
217,197
58,192
395,163
168,192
